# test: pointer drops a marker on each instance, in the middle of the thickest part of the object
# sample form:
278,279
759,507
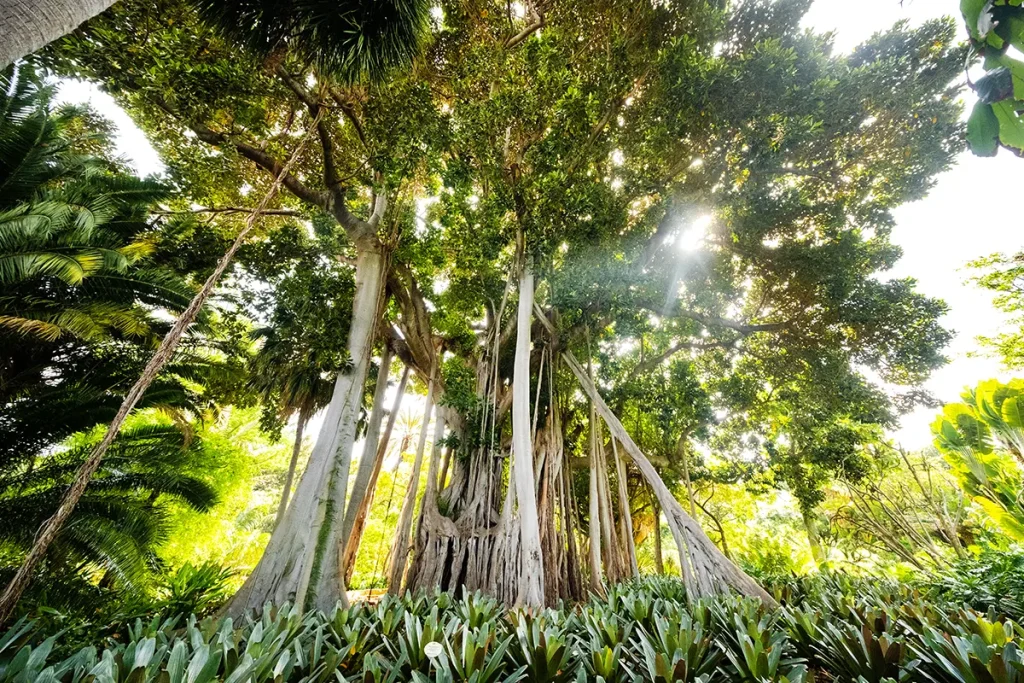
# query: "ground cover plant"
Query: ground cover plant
827,629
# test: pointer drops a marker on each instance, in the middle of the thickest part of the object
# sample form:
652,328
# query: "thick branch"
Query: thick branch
331,179
537,25
651,363
264,161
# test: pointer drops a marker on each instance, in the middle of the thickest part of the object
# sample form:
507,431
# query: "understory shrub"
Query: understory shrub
827,629
993,579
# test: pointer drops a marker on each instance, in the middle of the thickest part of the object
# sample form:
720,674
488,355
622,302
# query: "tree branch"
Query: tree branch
538,24
742,328
332,180
263,160
651,363
233,209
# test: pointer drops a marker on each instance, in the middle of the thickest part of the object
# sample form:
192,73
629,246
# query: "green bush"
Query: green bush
992,580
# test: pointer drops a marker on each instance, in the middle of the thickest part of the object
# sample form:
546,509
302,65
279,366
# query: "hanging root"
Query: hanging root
706,570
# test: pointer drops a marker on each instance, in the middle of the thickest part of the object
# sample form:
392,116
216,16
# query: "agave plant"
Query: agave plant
756,648
410,643
859,653
475,655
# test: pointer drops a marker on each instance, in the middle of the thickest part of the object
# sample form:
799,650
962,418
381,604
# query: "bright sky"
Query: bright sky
939,235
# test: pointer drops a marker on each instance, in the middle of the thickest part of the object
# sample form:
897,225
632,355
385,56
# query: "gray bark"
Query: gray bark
348,558
28,25
369,456
625,514
594,512
659,560
302,551
706,570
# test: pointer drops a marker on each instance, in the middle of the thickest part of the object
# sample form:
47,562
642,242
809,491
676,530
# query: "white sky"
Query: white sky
939,235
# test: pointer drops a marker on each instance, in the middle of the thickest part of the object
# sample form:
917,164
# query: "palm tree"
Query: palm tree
27,25
79,295
349,39
356,37
82,303
122,517
361,38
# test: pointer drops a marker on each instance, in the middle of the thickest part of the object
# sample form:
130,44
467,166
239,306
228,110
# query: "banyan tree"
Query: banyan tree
550,187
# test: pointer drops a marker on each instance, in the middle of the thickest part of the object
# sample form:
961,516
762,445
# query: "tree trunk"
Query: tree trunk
659,559
301,558
532,583
706,571
625,514
362,512
52,527
368,459
609,537
28,25
686,475
296,450
813,537
401,545
594,511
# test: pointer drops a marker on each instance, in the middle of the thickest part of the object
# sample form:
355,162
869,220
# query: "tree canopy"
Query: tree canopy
632,252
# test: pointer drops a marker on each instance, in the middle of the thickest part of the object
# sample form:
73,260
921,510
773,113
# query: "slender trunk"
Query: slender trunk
441,478
686,475
659,559
706,570
612,564
301,558
721,529
813,538
296,450
594,512
532,584
355,536
369,456
401,546
53,526
625,514
29,25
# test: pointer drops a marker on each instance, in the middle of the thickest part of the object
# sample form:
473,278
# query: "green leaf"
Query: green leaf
983,131
971,9
1011,125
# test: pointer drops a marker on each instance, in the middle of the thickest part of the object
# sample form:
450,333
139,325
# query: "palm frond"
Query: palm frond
350,39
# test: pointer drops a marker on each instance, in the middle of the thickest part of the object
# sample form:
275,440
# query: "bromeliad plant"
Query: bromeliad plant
841,631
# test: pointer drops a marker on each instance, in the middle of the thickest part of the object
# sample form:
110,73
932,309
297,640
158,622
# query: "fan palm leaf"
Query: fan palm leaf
350,39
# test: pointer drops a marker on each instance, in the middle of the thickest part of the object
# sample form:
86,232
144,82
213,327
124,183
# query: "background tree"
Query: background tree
326,188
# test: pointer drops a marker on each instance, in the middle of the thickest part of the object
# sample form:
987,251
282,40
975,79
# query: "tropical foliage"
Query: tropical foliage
996,30
633,261
829,629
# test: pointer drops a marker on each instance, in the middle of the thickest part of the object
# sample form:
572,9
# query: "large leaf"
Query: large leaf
983,131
